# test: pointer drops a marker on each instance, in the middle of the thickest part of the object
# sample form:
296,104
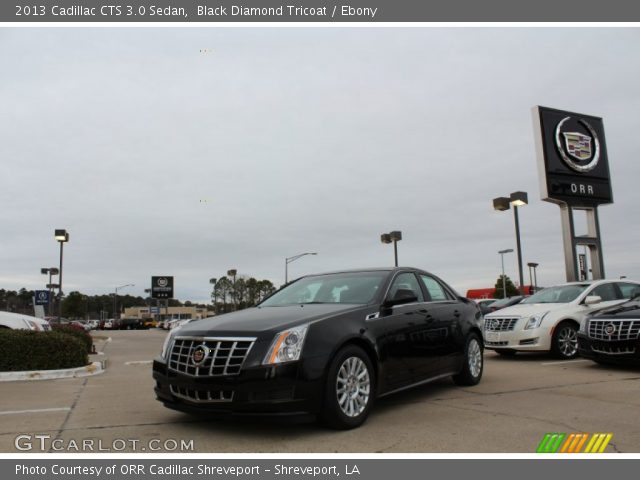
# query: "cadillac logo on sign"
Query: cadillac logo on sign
572,158
580,151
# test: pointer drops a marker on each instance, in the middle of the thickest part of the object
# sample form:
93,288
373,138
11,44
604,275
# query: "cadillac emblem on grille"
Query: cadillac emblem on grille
199,355
610,329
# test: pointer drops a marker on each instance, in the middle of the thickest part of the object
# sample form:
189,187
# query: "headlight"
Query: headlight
32,325
287,346
535,321
167,342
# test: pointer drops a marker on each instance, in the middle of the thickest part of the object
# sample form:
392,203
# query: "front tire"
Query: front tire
564,343
473,363
349,390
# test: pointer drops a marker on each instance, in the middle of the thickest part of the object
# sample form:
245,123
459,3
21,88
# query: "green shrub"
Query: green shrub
22,350
76,332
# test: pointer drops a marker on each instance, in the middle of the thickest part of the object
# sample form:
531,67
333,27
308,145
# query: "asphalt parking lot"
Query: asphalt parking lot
518,401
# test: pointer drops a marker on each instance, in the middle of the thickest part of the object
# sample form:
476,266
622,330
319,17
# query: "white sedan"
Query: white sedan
550,319
17,321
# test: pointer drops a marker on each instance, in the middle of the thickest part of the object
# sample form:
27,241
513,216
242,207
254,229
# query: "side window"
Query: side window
436,291
405,284
607,292
629,290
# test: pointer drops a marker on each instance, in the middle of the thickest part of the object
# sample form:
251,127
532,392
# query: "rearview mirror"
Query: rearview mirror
592,300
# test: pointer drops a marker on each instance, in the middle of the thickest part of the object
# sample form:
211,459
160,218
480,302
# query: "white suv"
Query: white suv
550,319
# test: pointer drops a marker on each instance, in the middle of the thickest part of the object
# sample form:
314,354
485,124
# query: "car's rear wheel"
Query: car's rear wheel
564,343
350,389
473,362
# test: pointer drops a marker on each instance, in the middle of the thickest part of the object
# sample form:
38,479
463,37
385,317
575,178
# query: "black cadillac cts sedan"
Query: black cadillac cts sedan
327,345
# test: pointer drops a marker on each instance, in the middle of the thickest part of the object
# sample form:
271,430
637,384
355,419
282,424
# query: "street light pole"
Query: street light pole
504,281
288,260
516,199
394,237
115,301
61,236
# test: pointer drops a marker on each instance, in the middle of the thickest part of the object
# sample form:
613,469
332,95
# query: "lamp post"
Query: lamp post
115,300
504,281
214,294
62,237
394,237
288,260
50,286
533,266
517,199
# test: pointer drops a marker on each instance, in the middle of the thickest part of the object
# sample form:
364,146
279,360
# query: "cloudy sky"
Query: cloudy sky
187,152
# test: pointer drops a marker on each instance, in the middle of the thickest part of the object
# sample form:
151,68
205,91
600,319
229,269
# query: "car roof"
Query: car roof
595,282
363,270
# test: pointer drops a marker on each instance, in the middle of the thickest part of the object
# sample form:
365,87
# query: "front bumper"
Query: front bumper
536,339
620,351
291,389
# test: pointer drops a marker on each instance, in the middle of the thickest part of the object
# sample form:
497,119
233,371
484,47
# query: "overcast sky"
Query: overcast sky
187,152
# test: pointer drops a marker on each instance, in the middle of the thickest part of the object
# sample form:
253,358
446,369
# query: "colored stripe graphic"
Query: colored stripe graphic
551,442
573,443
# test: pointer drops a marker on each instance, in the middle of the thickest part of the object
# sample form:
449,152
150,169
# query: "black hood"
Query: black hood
265,319
630,309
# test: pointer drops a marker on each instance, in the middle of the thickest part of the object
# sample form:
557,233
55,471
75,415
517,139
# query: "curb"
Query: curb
95,368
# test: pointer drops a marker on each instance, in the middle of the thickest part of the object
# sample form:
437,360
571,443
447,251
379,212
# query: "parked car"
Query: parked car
549,320
505,302
108,324
611,336
129,324
18,321
325,344
149,323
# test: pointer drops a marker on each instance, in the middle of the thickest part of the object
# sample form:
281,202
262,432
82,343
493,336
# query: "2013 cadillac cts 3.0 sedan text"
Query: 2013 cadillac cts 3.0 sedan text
326,345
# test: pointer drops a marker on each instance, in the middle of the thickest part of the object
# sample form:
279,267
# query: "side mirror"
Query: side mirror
401,297
592,300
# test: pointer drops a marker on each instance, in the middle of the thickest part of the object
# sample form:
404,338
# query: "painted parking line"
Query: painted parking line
139,362
565,362
41,410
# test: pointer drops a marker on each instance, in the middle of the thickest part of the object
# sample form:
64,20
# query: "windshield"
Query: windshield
348,288
561,294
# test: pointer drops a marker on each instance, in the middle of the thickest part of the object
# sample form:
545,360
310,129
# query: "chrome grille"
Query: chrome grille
202,396
609,350
621,329
225,356
500,324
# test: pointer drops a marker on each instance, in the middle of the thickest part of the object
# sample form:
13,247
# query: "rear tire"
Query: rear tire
473,362
564,343
349,390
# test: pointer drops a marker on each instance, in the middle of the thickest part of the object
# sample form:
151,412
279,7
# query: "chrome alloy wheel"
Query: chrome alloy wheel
353,386
568,341
474,357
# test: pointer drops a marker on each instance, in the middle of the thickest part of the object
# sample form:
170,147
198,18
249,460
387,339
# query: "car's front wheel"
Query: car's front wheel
350,389
564,343
473,362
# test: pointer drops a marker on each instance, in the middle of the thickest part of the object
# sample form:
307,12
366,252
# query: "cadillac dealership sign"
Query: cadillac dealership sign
572,158
162,287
